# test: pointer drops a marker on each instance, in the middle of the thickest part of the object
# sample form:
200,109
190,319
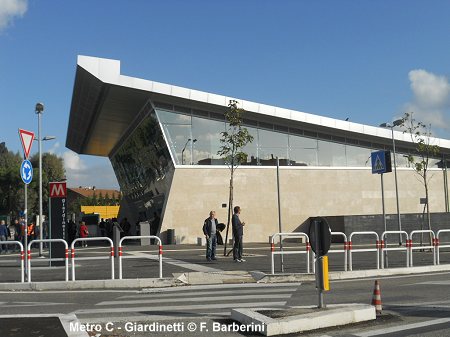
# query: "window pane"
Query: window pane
207,133
251,149
331,154
302,151
272,139
272,144
170,117
358,156
178,138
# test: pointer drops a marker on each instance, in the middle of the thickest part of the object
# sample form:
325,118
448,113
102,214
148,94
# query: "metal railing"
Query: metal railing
22,257
383,247
140,237
438,245
341,250
101,238
351,250
283,252
430,246
66,257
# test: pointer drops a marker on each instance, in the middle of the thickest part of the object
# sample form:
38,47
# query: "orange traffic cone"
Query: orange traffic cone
376,298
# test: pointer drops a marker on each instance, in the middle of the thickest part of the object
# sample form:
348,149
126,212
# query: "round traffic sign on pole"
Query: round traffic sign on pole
26,172
320,236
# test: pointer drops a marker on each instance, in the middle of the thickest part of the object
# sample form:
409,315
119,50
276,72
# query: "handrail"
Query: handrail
350,247
431,246
140,237
66,259
438,244
340,251
22,257
100,238
290,235
383,247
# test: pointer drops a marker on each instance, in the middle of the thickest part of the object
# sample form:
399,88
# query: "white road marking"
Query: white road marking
197,299
221,286
178,263
212,292
402,328
180,308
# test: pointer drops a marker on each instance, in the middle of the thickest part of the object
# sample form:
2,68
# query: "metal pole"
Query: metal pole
384,219
40,183
318,271
26,230
279,214
396,189
50,232
444,170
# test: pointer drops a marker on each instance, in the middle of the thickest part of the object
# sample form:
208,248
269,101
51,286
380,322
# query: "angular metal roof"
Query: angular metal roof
105,104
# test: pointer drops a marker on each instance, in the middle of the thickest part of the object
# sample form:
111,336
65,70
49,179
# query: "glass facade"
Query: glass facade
144,162
143,167
195,140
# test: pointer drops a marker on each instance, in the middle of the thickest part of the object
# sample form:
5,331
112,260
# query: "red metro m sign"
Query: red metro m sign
58,190
58,218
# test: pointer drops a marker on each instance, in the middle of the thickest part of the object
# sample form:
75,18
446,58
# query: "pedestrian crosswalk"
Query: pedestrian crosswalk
211,301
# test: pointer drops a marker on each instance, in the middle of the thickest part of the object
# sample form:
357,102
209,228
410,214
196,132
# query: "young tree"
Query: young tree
52,170
232,142
11,186
420,160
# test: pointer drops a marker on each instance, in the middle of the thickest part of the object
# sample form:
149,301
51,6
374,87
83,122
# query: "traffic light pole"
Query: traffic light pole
319,275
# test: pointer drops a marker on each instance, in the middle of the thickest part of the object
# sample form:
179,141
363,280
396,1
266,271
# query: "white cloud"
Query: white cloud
54,148
93,172
72,161
431,101
9,9
430,90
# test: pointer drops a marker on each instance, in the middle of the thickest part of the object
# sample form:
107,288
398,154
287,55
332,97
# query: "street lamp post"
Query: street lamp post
395,123
184,148
39,110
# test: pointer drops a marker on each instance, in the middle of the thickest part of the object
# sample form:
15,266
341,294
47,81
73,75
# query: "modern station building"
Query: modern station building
162,141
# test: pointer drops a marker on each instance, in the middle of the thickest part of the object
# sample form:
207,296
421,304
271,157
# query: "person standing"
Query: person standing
30,231
238,233
102,227
84,233
210,229
3,236
72,230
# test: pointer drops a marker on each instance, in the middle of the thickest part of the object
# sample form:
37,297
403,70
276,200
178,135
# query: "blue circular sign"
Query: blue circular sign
26,171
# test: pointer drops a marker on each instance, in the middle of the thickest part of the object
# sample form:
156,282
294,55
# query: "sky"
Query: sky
369,61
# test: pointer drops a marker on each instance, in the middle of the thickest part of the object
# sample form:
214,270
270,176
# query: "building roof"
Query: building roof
89,192
106,105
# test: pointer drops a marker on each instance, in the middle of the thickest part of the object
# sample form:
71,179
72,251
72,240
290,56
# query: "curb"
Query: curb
333,315
349,275
202,278
92,284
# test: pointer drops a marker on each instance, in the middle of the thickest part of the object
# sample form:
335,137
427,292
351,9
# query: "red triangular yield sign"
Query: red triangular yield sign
26,137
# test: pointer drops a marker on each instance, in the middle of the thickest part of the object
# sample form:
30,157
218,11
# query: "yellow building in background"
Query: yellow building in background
105,212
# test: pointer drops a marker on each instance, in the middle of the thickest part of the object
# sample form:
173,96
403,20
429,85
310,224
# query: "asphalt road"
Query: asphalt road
416,305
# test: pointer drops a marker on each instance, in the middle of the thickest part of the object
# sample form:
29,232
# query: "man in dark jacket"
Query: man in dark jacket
210,229
3,236
238,233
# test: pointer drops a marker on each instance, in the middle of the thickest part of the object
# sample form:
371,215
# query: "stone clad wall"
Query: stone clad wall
305,192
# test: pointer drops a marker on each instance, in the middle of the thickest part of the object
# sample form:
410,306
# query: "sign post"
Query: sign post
320,237
26,173
381,163
58,218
